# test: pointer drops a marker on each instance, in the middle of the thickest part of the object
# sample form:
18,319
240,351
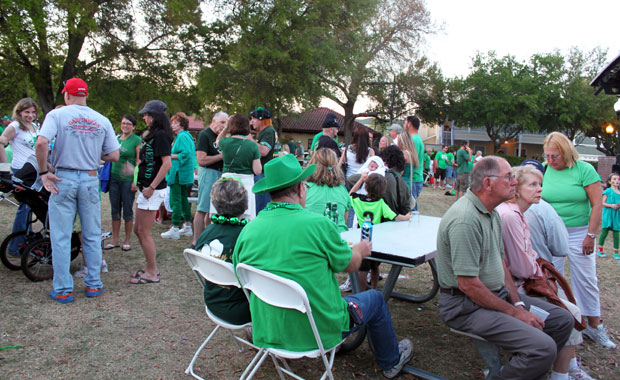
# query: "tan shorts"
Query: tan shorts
462,182
153,202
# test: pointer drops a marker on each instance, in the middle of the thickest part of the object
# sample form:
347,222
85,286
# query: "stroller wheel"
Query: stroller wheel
13,260
37,260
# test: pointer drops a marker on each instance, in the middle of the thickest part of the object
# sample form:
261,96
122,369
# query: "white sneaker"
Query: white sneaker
346,286
172,233
599,335
104,267
82,272
187,230
405,348
578,374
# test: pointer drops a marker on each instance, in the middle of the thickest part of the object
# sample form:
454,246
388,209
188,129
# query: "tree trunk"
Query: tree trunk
349,120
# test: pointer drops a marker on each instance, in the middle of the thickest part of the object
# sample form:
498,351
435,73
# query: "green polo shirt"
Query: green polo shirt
307,248
418,175
462,160
469,243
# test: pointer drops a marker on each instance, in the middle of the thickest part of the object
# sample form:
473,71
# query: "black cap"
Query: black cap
154,106
534,163
331,121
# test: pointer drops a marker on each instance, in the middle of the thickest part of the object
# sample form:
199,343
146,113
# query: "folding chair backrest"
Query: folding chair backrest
210,268
273,289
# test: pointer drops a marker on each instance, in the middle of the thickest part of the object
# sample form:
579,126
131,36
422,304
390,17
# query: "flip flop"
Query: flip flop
110,246
139,273
142,281
126,247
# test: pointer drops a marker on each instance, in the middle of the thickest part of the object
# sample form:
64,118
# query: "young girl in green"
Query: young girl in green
611,215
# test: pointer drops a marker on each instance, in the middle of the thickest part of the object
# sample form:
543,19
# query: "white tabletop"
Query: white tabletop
411,242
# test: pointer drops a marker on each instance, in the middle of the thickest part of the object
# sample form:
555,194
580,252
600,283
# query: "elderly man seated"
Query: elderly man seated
478,294
288,241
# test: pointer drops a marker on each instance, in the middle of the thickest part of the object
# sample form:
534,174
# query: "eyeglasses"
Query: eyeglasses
507,177
551,157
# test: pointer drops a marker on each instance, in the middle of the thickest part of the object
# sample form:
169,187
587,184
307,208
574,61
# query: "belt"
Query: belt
92,173
453,291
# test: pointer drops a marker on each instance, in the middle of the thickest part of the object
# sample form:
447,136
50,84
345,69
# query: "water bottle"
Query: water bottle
367,226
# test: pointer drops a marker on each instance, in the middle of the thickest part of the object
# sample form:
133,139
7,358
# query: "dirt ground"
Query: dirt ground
152,331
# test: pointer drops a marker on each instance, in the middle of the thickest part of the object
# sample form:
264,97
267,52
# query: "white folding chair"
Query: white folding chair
284,293
217,271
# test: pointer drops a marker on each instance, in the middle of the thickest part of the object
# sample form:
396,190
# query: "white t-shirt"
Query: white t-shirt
22,144
82,134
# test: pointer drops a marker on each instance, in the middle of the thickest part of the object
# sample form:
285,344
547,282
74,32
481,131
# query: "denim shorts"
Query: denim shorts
206,179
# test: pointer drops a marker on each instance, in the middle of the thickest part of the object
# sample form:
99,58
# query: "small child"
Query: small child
611,216
373,165
376,186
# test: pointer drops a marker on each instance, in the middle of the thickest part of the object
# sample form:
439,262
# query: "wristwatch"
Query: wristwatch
593,236
520,303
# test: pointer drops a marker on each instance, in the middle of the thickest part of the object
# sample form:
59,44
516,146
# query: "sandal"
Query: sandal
126,247
110,246
139,273
142,281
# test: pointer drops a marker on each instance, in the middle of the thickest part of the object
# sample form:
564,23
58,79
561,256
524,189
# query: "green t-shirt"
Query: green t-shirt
307,248
449,158
318,196
427,161
267,137
315,141
206,143
441,159
418,175
380,210
238,155
226,302
469,243
471,163
127,153
565,191
462,160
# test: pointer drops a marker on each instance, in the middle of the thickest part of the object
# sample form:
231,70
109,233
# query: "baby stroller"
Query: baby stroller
34,250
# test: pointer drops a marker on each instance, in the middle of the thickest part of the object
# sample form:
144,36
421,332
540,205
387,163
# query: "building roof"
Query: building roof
311,121
608,79
195,124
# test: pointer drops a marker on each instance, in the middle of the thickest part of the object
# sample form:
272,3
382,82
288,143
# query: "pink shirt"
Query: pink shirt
519,254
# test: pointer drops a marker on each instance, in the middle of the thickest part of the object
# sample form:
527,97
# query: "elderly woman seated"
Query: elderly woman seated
230,200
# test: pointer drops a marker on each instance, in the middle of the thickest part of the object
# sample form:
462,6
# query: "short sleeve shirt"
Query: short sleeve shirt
427,161
267,137
449,159
238,155
127,154
156,147
380,210
206,143
469,243
441,162
418,175
307,248
82,135
462,160
565,191
315,141
318,196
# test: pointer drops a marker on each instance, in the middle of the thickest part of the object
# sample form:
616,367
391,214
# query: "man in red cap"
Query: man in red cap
83,138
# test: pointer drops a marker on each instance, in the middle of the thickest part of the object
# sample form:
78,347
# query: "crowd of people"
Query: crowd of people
500,246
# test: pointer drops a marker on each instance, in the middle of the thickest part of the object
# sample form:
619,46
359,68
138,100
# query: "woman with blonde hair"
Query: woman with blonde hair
405,143
325,186
22,135
530,272
573,189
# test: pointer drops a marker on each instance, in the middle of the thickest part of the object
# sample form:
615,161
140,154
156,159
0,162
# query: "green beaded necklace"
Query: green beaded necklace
221,219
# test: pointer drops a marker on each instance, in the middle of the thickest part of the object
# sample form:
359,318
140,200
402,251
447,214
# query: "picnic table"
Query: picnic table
400,244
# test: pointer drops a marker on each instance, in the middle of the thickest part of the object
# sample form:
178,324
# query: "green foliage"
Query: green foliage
512,160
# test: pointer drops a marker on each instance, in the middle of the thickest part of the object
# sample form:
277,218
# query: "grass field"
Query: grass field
152,331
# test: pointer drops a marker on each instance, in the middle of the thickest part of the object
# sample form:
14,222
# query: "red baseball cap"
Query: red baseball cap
76,87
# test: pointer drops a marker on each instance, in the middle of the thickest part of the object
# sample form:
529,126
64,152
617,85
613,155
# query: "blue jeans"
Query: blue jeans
121,198
448,172
376,317
416,189
19,223
77,192
261,199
